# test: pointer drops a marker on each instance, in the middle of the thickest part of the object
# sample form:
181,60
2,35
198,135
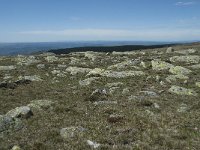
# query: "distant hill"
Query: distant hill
108,48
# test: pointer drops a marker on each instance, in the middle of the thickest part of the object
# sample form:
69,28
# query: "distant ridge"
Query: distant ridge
108,48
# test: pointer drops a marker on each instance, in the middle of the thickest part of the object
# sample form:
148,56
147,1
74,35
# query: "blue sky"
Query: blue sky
89,20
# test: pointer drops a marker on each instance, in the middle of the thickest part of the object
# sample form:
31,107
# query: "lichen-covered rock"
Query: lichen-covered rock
182,108
99,95
87,81
170,50
41,66
41,104
51,58
71,132
182,91
187,51
149,93
7,68
160,65
187,59
124,53
179,70
20,112
26,60
198,84
91,55
9,124
197,66
114,84
92,144
122,74
124,64
172,78
30,78
96,72
16,148
76,70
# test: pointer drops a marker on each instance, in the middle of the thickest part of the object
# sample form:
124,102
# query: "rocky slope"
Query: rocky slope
145,99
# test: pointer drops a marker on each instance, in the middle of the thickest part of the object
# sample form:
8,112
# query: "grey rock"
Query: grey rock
99,95
187,51
9,124
183,108
71,132
105,102
187,59
170,50
20,112
41,104
87,81
26,60
16,148
30,78
160,65
41,66
51,58
149,93
76,70
197,66
92,144
182,91
179,70
7,68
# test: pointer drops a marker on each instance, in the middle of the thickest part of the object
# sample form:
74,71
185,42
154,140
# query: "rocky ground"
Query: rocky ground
147,99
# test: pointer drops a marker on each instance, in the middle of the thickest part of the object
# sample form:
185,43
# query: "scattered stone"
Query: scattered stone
115,118
104,102
133,98
160,65
88,81
71,132
51,58
125,91
62,66
182,91
114,84
124,53
7,68
122,74
179,70
92,144
124,64
20,112
16,148
156,106
183,108
76,70
187,51
9,124
91,55
187,59
170,50
149,93
172,78
30,78
195,66
99,95
41,104
26,60
96,72
198,84
41,66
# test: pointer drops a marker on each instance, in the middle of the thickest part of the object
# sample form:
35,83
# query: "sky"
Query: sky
99,20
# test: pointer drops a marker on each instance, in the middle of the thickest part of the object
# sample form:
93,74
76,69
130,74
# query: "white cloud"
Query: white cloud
184,3
114,34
